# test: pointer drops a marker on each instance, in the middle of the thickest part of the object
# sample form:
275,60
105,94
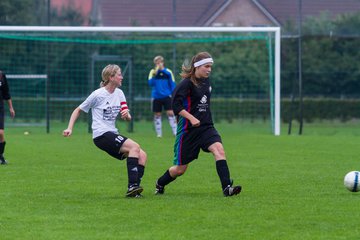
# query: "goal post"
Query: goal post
247,62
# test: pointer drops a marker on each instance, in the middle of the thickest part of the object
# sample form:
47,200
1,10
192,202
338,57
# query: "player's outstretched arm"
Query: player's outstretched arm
74,116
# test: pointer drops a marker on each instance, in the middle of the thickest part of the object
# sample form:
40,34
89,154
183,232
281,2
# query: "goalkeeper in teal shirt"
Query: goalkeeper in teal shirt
162,81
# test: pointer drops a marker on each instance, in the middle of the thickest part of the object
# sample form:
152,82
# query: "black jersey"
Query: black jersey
4,89
195,100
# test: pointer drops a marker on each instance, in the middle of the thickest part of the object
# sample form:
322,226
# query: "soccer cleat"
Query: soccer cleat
138,195
159,189
2,160
231,191
134,190
135,196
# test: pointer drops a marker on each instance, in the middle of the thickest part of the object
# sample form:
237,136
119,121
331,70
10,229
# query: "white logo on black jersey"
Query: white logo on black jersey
203,99
203,105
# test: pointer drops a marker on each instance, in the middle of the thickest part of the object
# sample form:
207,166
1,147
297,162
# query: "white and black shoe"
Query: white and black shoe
231,191
134,190
159,189
139,195
2,160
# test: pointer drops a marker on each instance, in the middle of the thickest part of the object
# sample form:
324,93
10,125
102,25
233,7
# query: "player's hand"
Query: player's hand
161,65
12,112
67,132
156,69
125,114
195,122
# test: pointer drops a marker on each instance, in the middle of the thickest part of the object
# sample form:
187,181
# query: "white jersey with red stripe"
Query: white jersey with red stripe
105,108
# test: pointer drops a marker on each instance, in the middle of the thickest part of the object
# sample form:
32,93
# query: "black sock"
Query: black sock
2,148
132,168
223,172
165,179
141,169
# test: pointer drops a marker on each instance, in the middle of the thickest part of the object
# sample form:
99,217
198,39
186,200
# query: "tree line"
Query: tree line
330,57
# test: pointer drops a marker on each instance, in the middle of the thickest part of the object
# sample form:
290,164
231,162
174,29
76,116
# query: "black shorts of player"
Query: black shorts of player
159,103
111,143
2,116
188,144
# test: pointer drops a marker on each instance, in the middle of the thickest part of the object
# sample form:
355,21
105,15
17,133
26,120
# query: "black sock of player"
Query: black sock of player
132,168
223,172
2,148
141,169
165,179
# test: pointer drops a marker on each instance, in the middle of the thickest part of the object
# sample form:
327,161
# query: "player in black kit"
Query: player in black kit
195,131
4,95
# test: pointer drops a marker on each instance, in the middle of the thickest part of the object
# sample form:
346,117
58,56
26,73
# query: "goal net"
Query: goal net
245,77
29,95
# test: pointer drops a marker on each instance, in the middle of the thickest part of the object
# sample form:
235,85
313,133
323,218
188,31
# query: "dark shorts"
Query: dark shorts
111,143
188,144
2,116
158,104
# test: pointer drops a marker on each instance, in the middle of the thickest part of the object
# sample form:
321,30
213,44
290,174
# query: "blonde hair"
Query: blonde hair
108,72
189,71
161,58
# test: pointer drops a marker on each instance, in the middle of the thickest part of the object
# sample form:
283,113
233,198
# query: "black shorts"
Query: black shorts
159,103
188,144
2,116
111,143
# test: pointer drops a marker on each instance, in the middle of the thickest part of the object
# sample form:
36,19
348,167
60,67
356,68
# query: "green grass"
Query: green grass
65,188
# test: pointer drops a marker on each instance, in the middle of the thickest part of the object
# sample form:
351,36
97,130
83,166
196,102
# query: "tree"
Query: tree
21,12
331,49
34,13
66,16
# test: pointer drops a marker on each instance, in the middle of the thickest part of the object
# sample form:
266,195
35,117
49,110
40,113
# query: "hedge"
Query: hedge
34,109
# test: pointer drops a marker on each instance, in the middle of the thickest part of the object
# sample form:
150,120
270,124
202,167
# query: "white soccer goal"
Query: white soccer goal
247,61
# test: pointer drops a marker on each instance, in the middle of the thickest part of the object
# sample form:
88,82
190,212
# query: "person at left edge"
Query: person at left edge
4,95
106,103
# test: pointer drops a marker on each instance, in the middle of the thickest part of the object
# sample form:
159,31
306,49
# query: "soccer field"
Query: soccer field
66,188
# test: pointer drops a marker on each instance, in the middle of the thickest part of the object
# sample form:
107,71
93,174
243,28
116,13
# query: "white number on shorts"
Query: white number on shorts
119,139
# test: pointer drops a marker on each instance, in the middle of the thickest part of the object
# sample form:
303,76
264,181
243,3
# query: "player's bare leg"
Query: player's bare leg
172,121
135,170
222,169
170,175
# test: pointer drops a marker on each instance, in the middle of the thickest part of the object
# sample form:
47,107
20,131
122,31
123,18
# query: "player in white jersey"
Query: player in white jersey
105,104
